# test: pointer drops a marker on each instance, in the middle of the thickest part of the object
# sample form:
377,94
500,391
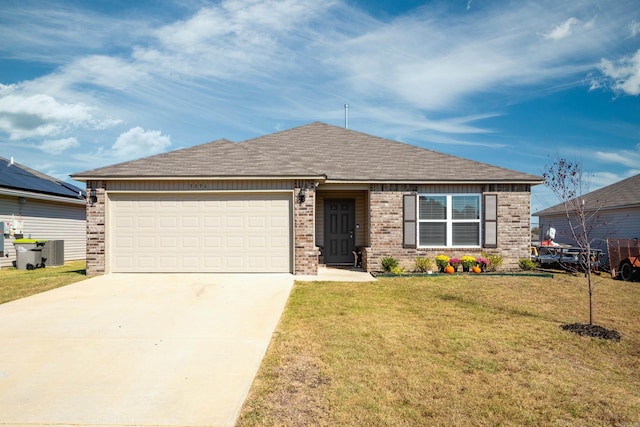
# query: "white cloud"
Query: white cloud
137,142
101,70
58,146
629,158
435,62
634,28
563,30
623,73
232,38
39,116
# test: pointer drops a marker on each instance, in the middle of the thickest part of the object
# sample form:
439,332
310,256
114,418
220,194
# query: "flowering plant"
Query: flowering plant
468,261
442,261
483,262
455,262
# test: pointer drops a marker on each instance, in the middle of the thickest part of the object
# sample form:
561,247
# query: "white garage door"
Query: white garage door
200,233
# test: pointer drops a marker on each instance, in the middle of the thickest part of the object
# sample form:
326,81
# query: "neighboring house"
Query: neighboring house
617,209
289,201
36,205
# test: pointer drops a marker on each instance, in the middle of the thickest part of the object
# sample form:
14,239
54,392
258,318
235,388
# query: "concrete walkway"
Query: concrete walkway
338,274
137,350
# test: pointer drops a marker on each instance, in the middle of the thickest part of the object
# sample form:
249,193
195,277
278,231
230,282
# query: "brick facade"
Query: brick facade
305,250
96,230
386,207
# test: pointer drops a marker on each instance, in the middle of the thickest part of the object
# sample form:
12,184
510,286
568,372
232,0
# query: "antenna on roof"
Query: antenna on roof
346,116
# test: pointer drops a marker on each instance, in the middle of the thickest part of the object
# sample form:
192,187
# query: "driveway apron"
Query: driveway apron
137,349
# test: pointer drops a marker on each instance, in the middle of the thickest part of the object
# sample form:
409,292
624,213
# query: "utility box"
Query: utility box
28,253
2,238
53,253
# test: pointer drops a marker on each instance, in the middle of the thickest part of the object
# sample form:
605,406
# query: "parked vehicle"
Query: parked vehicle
565,256
624,258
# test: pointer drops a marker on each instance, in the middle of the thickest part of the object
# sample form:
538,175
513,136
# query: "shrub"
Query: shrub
397,270
389,263
527,264
422,265
495,261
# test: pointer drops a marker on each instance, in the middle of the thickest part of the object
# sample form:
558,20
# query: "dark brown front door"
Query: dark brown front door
339,230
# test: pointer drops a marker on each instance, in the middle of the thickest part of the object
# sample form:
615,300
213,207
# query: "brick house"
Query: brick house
289,201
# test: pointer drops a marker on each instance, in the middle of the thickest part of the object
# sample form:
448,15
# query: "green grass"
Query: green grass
471,350
15,284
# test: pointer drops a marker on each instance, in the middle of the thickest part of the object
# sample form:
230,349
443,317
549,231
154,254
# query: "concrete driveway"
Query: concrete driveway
137,349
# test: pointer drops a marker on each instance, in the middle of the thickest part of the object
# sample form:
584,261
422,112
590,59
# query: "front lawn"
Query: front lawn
465,350
16,284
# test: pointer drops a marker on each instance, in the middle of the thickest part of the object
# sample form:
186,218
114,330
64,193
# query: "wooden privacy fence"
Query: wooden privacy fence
620,249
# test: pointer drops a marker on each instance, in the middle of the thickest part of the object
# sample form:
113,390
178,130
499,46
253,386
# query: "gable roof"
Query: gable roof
316,150
217,159
622,194
15,177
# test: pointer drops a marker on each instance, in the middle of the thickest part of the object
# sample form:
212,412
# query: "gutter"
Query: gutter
320,178
41,196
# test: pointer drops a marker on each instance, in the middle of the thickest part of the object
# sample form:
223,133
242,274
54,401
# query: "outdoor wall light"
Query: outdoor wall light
301,195
93,198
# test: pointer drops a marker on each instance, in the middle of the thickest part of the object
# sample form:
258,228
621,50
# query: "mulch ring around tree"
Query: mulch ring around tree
593,331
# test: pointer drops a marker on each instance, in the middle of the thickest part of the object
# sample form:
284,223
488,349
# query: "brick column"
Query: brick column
386,227
514,228
96,230
306,252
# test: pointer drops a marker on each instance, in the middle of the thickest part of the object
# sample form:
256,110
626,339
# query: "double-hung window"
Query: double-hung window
449,220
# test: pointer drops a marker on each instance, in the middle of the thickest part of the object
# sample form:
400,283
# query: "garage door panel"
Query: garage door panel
168,243
279,243
257,243
146,222
200,233
145,242
190,242
235,222
168,222
212,242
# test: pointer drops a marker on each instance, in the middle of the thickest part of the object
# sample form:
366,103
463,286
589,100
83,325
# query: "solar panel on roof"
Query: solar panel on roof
16,177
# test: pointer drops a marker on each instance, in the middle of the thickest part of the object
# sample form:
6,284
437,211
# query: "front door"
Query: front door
339,230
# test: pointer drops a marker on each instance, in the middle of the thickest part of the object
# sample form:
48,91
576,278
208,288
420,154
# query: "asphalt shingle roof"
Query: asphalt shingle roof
316,149
15,176
622,194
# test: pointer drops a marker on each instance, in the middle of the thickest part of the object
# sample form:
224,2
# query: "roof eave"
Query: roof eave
42,196
196,177
430,181
553,211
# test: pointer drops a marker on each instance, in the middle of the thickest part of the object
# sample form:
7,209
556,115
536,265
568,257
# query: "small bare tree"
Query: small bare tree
566,180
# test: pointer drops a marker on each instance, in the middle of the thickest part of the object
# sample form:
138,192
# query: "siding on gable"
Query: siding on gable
199,185
614,223
46,220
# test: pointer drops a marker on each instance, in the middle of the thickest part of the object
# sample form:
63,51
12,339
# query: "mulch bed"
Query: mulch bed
593,331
